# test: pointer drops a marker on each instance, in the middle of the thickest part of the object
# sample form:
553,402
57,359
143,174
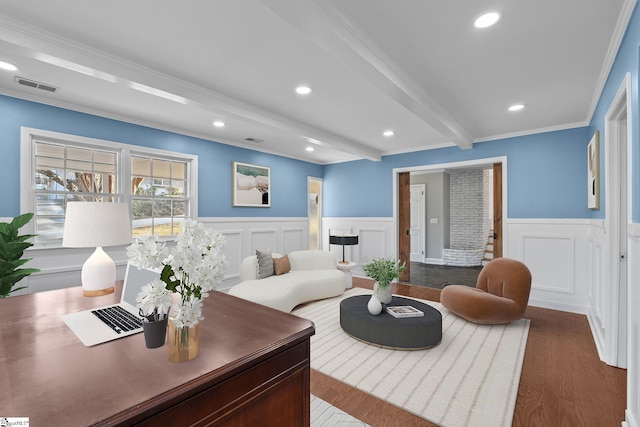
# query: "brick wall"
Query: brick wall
468,208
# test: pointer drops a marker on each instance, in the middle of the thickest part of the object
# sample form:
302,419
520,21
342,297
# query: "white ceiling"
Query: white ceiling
417,67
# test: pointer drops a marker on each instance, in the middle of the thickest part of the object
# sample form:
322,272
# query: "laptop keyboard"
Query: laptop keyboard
118,319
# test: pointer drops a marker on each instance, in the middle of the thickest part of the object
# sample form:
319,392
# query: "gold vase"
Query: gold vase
183,343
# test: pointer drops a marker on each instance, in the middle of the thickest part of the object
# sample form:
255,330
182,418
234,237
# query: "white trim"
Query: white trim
621,101
568,287
554,305
260,219
574,125
559,221
633,229
422,228
124,152
319,207
612,51
452,165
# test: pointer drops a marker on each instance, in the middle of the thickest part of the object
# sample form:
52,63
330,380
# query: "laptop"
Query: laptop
103,324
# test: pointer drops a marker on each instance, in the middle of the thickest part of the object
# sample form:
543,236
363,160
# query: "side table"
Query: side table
346,268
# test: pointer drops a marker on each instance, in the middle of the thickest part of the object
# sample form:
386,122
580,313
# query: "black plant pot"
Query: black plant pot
155,333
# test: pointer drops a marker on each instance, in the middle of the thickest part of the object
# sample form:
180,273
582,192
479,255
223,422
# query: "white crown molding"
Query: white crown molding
533,131
154,125
36,40
612,52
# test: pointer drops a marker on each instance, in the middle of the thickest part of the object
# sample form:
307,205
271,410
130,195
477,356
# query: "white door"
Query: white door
417,222
622,274
314,212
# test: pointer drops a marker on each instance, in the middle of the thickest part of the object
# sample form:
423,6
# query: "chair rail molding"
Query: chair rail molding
61,267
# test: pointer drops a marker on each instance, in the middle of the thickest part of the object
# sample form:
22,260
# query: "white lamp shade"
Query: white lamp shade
94,225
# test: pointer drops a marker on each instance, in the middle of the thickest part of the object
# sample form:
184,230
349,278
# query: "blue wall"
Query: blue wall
627,61
546,176
288,177
546,172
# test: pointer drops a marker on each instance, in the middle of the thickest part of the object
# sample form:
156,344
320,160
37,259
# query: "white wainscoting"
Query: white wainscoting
246,235
375,239
598,297
557,253
560,253
633,329
61,267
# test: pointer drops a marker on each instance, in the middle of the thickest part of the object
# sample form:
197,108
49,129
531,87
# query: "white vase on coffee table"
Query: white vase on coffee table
382,292
374,306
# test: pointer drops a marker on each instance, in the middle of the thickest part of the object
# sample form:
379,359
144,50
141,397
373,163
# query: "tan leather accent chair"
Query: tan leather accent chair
501,294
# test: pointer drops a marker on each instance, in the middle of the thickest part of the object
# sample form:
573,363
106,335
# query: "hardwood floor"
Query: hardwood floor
563,382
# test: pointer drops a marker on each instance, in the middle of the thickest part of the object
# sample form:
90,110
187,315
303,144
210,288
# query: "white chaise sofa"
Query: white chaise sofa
314,275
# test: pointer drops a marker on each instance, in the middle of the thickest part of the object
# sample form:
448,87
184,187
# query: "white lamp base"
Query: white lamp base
98,274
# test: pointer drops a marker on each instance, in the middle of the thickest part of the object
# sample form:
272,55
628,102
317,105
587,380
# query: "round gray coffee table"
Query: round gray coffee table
409,333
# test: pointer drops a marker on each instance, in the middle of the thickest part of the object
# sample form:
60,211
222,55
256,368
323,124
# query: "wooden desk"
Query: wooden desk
253,366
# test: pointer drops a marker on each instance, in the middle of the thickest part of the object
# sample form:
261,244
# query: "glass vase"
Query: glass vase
183,343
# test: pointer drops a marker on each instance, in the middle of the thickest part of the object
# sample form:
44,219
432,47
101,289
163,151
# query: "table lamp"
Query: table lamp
97,224
343,240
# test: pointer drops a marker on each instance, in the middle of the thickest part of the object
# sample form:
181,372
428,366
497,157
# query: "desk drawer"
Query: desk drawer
275,390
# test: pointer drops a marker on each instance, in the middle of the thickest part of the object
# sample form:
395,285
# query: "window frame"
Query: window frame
28,136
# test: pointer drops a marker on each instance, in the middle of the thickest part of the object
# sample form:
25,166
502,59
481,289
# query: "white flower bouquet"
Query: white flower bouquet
154,301
191,269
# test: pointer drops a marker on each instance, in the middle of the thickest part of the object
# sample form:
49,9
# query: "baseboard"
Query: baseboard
436,261
552,305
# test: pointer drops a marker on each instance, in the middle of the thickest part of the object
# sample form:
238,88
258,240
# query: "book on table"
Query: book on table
404,311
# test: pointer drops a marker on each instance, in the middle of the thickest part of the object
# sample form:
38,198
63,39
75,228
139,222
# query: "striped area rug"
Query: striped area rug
470,379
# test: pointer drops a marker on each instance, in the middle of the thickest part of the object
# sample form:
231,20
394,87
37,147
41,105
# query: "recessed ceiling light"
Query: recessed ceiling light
7,66
389,133
303,90
486,20
219,124
516,107
310,149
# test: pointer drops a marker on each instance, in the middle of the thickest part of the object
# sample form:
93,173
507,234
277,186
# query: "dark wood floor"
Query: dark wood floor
563,383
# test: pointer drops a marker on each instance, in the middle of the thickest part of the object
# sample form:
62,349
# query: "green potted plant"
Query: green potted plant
383,271
12,247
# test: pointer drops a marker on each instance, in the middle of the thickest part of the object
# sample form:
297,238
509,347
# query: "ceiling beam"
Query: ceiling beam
31,41
331,29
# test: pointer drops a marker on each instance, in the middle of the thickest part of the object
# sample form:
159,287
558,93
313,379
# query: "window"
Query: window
58,168
159,195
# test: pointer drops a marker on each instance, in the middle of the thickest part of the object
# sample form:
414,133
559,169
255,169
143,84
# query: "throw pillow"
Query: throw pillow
265,264
281,265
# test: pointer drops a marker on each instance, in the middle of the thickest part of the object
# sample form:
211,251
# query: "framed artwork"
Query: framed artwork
593,166
251,185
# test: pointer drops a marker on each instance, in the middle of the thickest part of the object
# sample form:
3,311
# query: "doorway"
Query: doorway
417,229
614,321
402,209
314,212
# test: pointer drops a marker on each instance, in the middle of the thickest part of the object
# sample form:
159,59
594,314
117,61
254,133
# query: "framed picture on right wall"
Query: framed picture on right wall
593,166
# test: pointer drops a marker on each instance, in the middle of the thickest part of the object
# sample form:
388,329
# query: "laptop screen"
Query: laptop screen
134,281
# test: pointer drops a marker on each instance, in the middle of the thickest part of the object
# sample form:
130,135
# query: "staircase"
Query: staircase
488,250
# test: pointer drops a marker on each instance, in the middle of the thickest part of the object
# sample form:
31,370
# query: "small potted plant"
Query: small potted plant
154,302
383,271
12,247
